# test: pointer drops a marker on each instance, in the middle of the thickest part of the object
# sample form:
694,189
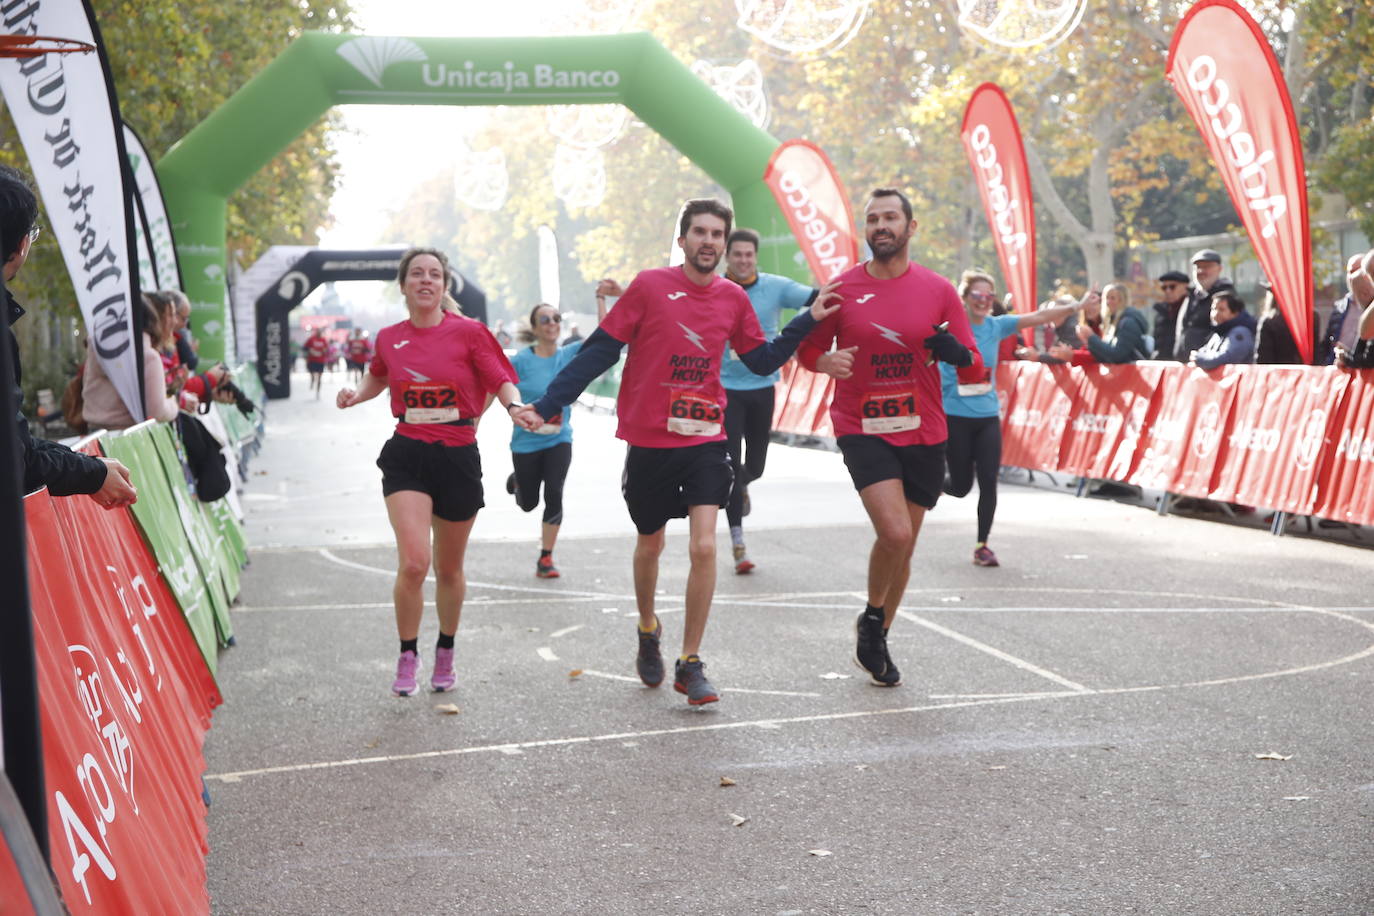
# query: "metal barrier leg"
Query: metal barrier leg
1276,524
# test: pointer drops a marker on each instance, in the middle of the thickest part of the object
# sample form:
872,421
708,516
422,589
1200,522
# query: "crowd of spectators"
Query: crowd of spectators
1201,320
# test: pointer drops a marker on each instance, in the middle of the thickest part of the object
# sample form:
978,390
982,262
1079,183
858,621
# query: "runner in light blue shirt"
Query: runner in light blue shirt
972,411
543,457
749,397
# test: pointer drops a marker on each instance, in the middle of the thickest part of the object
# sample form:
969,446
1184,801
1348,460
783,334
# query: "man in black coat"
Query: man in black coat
46,464
1194,325
1173,286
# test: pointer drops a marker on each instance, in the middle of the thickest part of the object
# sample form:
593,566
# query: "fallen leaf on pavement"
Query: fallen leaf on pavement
819,852
448,709
575,673
726,781
737,821
1273,756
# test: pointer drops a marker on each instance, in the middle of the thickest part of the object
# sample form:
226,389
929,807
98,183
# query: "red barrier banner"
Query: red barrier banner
798,411
813,200
1278,431
125,702
1182,435
1042,399
781,387
992,140
1346,477
1223,69
1108,414
821,395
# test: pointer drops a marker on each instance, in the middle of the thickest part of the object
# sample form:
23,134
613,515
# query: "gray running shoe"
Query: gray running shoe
689,677
870,652
649,664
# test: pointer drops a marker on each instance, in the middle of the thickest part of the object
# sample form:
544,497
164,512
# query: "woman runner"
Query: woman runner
441,369
544,455
974,448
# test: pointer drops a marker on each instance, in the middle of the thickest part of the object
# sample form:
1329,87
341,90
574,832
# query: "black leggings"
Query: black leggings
975,448
748,421
548,466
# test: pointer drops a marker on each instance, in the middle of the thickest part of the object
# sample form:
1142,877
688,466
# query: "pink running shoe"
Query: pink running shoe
983,556
407,675
443,677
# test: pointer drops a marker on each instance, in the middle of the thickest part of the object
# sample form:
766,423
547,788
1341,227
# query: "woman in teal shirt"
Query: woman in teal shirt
974,448
542,457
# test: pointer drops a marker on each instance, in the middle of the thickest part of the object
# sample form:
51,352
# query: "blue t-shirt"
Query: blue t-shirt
769,295
535,373
988,334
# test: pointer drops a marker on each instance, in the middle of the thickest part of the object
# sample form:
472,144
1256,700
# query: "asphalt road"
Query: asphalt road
1079,731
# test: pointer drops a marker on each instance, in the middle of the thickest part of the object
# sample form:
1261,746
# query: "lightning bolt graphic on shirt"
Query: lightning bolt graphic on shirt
693,336
889,334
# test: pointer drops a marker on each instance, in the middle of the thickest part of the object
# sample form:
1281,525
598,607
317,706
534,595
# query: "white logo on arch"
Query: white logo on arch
370,55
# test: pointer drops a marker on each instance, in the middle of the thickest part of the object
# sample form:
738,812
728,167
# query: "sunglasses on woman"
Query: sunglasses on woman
550,319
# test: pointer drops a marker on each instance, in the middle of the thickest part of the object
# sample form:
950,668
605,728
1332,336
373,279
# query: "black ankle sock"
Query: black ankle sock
411,645
445,641
876,613
545,553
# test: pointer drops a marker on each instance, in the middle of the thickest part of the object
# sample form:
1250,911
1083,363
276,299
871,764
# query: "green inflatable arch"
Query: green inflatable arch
320,70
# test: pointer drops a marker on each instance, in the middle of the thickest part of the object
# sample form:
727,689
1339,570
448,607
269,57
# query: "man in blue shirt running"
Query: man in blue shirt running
749,404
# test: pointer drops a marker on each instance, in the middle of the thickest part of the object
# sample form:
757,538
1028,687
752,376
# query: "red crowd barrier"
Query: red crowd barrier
125,700
1293,438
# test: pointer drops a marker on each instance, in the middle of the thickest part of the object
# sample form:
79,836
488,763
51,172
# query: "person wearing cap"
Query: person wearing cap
1173,287
1194,325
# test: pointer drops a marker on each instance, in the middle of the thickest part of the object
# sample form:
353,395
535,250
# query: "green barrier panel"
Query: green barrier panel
319,70
239,427
203,542
229,542
157,516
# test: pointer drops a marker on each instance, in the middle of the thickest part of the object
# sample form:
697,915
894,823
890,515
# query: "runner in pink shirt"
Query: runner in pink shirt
441,370
671,407
889,418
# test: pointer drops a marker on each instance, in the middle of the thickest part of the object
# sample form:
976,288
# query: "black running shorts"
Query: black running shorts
450,474
661,483
920,468
315,366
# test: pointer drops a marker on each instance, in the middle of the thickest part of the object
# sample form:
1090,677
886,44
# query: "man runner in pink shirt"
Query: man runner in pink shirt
671,407
888,414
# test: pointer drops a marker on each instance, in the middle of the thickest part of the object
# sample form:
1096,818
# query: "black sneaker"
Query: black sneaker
689,677
649,664
870,652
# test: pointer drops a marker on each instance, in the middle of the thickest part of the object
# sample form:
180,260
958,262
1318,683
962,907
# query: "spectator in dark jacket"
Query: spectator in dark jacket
1128,340
1233,337
1194,318
1274,342
1173,286
46,464
1342,327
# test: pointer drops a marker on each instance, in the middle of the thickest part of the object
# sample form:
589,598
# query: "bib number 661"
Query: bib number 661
890,407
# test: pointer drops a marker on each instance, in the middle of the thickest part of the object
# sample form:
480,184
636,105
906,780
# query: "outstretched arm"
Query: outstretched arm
599,352
768,357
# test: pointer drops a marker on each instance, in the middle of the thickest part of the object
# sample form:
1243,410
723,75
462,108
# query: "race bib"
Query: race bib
968,391
890,412
552,426
691,414
430,402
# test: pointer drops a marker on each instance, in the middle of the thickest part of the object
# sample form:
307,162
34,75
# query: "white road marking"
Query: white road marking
629,738
530,589
547,654
771,693
994,652
566,630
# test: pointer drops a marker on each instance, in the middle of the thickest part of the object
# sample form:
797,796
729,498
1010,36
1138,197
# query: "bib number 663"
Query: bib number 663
693,409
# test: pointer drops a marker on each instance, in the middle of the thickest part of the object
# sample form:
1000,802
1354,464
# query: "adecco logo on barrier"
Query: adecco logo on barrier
1356,445
1206,430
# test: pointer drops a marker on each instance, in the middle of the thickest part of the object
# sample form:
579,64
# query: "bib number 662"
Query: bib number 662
429,397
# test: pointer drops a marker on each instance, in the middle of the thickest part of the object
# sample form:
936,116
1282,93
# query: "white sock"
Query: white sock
737,535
